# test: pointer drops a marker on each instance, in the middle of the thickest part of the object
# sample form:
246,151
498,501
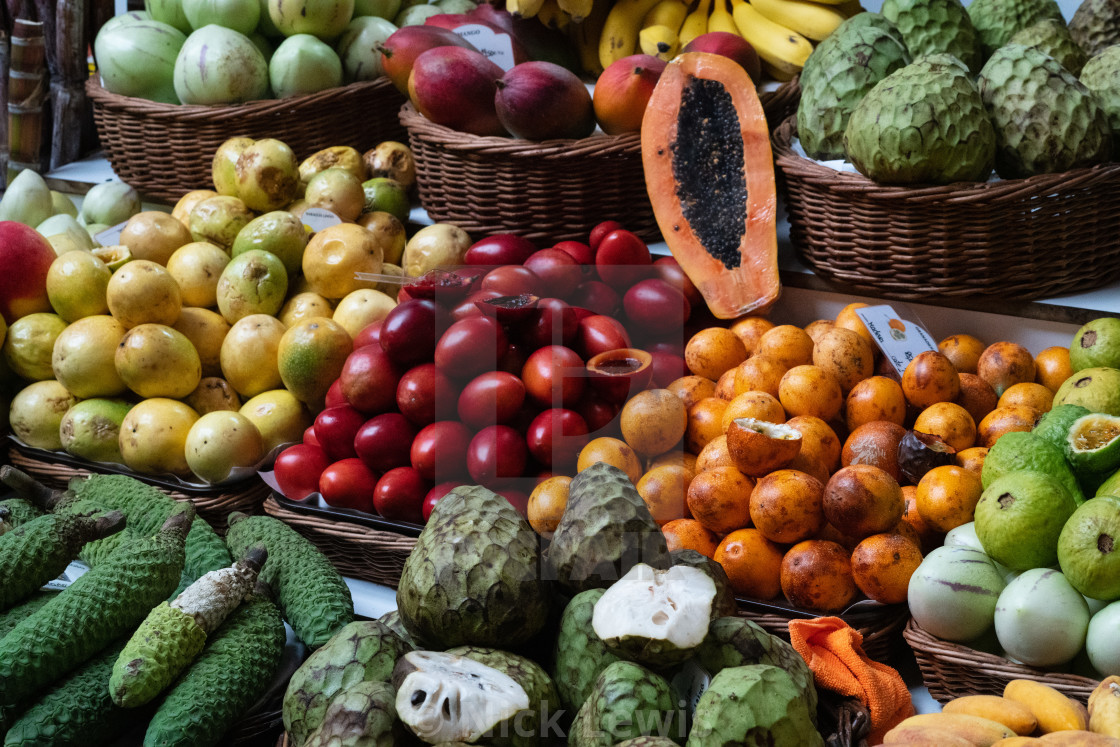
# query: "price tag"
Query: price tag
899,340
319,218
111,236
67,577
493,44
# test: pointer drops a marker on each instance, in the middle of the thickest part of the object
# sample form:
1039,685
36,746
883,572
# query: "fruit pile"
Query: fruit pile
1044,576
881,76
165,637
497,650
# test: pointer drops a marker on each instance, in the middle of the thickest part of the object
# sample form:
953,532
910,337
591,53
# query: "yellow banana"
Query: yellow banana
552,16
695,23
576,10
524,8
620,33
809,19
785,49
721,20
585,37
668,13
659,41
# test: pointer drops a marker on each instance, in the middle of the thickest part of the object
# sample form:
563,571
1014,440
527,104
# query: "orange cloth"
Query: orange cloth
834,652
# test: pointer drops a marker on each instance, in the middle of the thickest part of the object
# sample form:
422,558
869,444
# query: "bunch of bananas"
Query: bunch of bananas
782,32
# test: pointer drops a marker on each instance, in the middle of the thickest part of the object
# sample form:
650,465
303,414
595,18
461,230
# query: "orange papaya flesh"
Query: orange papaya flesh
710,177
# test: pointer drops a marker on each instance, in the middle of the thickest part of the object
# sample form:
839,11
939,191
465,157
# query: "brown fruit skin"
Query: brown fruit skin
1005,420
810,390
963,351
861,500
949,421
720,499
1052,367
882,565
875,443
972,459
664,489
817,575
1004,364
875,398
759,374
820,447
756,454
976,396
654,421
930,378
846,355
818,327
691,389
1028,394
712,351
758,405
786,344
715,454
786,506
725,387
705,422
749,329
947,496
928,537
547,503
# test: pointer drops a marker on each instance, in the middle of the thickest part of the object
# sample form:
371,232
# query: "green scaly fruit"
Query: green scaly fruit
580,656
1096,389
392,620
627,701
1101,75
996,21
840,72
231,673
1095,25
309,590
647,742
1045,120
474,576
99,607
1053,426
363,651
933,26
12,617
362,715
754,704
1052,37
924,123
1018,451
20,511
606,529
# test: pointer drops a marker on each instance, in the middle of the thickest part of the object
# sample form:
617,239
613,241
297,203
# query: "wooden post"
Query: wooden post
68,93
26,92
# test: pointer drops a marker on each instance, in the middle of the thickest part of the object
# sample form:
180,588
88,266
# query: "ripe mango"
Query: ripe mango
924,736
1078,739
1052,709
981,732
1012,714
1104,707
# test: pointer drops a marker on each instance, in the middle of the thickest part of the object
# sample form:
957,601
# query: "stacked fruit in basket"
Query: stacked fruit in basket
1004,73
1043,580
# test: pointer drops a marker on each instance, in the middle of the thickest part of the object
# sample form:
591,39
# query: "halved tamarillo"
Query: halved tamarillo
710,175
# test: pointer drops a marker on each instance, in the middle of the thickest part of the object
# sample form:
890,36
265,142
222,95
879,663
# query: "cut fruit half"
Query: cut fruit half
113,256
758,447
1093,444
655,617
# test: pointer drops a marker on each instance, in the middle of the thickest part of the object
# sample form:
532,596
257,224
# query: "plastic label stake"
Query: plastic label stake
496,46
899,340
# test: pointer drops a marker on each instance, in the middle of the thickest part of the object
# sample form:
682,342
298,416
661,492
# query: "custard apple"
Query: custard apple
1101,75
1053,38
932,26
996,21
1096,25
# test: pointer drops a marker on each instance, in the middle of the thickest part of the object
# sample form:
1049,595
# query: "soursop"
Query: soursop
1101,75
627,701
1046,121
996,21
933,26
474,576
1096,25
840,72
606,529
580,656
1053,38
757,704
922,123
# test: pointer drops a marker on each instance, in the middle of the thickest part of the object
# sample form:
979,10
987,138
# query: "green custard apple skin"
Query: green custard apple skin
475,575
627,701
923,123
996,21
99,607
309,590
840,72
1045,120
364,650
1097,343
756,704
362,715
1019,517
1101,75
230,674
76,711
1018,451
1097,389
1089,548
392,620
1052,37
579,657
1095,25
606,529
933,26
38,551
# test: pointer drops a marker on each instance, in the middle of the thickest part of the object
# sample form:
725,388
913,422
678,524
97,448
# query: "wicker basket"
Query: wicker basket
357,551
165,150
550,191
214,505
951,670
1022,238
880,628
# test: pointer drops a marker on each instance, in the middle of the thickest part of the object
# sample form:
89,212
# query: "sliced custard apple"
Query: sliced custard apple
840,72
933,26
996,21
580,656
753,705
724,603
1096,25
1052,37
924,123
1046,121
1101,75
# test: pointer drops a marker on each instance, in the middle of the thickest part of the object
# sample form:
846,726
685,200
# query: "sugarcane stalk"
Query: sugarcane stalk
26,92
68,97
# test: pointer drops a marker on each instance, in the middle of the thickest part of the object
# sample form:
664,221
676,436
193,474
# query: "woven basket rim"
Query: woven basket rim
216,113
1002,190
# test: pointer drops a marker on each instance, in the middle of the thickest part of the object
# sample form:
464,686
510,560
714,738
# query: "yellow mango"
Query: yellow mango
1012,714
1104,707
1053,710
981,732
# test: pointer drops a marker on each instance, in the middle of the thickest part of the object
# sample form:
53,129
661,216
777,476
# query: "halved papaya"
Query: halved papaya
710,177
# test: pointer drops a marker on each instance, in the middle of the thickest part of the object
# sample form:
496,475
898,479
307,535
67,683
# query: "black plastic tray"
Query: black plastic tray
310,506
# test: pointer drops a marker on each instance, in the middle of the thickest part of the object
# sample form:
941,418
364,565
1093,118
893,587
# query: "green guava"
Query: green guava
91,429
1097,389
1096,344
252,283
1017,451
1054,425
1093,446
1019,517
278,232
1089,548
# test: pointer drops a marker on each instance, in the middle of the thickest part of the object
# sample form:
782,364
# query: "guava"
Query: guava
154,436
1054,425
388,196
1102,642
1111,486
1041,620
219,220
196,267
953,592
155,360
1096,344
206,330
29,344
36,413
1018,451
310,358
1089,548
252,283
76,285
267,175
143,292
279,416
1019,517
91,429
223,169
249,354
83,360
213,393
1093,445
220,442
1096,389
278,232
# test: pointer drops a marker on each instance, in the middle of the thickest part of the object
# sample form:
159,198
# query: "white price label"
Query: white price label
498,47
899,340
67,577
319,218
111,236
